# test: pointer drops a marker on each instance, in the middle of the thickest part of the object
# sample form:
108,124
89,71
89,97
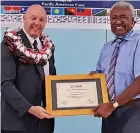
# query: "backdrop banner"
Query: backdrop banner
65,14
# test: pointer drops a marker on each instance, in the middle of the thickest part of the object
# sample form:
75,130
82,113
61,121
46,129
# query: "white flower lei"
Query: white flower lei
28,55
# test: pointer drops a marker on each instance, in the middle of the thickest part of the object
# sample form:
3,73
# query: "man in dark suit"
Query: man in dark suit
23,78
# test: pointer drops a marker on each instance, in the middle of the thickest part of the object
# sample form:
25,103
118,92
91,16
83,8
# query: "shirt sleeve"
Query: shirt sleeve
98,66
137,60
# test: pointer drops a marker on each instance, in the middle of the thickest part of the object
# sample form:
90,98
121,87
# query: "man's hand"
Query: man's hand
92,72
104,110
39,112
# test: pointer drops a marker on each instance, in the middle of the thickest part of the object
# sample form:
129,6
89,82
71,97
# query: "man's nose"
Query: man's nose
118,21
37,21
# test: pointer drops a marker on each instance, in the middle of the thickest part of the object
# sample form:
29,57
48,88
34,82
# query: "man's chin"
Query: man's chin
120,33
35,35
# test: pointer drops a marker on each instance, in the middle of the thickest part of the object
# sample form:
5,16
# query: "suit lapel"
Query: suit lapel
25,39
26,42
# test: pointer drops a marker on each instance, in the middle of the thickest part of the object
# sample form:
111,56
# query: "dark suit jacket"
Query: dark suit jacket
22,85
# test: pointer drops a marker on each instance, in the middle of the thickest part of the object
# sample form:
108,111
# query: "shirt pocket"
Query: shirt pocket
125,63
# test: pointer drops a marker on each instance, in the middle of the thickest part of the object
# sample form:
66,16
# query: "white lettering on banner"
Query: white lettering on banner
51,4
64,21
72,19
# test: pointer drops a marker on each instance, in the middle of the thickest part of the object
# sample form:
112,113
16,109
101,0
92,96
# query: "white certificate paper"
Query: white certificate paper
76,94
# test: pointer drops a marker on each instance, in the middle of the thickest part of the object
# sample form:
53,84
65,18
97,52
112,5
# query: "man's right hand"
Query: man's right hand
92,72
39,112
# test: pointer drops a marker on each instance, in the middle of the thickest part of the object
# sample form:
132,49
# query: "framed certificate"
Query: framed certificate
75,94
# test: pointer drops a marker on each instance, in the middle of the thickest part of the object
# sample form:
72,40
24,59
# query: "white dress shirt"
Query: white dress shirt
39,46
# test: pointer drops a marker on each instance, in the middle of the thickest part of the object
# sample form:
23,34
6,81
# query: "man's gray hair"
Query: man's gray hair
124,4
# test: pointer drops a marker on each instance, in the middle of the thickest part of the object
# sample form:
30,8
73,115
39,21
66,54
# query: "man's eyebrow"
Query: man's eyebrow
120,15
33,15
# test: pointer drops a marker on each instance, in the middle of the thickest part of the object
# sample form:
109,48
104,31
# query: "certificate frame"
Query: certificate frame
51,96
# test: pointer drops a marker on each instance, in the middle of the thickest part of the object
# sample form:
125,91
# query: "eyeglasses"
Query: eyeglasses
121,18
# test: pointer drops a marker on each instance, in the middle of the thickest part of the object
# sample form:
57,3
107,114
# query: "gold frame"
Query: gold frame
69,112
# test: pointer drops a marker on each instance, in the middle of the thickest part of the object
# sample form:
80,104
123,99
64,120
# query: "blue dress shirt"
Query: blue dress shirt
128,62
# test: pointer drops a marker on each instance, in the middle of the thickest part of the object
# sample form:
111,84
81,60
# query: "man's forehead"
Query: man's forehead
120,10
37,15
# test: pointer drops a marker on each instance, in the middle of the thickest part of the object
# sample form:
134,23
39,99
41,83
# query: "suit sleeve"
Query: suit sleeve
9,90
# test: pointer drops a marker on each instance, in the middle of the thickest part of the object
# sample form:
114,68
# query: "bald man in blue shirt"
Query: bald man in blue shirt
120,61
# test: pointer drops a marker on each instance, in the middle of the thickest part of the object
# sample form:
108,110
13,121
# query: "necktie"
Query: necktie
35,45
111,72
40,68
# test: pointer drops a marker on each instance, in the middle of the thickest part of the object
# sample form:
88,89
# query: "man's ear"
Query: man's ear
133,21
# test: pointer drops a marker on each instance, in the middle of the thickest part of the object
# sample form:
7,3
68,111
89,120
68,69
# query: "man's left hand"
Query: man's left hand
104,110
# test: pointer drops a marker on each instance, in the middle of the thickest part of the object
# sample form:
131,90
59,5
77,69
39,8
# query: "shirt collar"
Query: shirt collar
30,38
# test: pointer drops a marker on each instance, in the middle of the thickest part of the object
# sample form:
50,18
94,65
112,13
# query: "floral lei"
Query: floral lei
28,55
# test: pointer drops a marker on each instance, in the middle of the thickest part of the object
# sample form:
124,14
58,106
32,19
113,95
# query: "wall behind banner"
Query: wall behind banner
77,52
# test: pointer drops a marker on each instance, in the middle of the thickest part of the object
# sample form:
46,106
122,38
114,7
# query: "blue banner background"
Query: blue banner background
89,4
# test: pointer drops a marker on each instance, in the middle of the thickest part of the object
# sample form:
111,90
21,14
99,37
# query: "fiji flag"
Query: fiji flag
84,12
23,9
57,11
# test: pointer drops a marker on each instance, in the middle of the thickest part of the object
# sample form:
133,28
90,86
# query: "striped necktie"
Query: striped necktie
111,71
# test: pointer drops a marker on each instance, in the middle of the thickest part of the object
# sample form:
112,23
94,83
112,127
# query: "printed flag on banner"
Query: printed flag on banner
23,9
48,10
99,12
70,11
84,12
11,9
57,11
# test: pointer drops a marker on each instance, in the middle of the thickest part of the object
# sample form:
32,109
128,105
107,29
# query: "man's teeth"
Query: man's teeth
119,27
36,28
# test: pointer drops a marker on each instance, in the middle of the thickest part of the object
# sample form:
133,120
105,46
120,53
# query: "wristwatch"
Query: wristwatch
115,104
